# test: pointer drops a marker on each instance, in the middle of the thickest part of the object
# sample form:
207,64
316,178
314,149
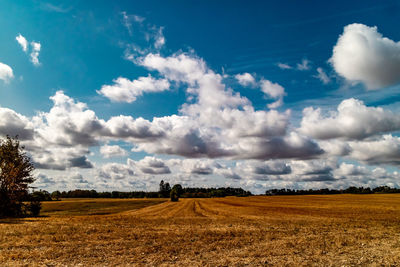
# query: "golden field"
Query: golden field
334,230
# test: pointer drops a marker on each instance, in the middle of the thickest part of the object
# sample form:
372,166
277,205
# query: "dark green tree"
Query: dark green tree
56,195
165,189
174,195
161,186
178,189
15,176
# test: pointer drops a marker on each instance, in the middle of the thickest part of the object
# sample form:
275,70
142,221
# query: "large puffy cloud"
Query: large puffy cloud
182,138
127,127
194,166
115,171
314,170
220,123
362,54
151,165
6,72
353,120
68,123
124,90
12,123
345,170
58,139
58,157
291,146
267,168
385,150
180,67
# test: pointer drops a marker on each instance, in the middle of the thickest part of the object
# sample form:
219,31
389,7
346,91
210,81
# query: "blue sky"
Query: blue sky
122,94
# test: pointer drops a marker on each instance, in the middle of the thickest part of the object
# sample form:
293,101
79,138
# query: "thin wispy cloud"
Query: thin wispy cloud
304,65
284,66
322,76
33,48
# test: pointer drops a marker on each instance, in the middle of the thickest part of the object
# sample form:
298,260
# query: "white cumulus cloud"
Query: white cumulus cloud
352,120
6,72
274,91
245,79
124,90
112,151
362,54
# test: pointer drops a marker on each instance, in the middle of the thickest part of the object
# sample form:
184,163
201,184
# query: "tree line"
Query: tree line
164,192
327,191
199,192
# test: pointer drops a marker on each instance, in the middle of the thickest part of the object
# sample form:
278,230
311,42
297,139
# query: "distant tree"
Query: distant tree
15,176
178,189
41,195
165,189
56,195
174,194
161,188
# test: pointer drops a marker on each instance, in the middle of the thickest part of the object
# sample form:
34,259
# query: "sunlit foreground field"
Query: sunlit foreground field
337,230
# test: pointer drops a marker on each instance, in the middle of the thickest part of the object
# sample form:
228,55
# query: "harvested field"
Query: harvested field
336,230
73,206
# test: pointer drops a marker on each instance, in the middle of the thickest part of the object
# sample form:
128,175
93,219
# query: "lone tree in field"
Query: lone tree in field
174,195
15,177
176,192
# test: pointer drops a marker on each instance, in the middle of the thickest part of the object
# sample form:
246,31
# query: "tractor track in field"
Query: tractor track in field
185,208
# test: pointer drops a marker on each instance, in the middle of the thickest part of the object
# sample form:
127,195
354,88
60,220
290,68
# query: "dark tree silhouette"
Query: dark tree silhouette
165,189
161,186
178,189
15,177
174,195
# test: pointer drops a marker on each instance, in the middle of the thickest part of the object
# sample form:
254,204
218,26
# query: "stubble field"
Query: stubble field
337,230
